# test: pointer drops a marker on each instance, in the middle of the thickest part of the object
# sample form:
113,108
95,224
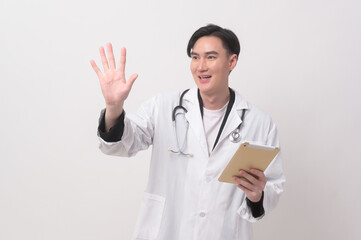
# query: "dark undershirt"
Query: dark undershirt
115,135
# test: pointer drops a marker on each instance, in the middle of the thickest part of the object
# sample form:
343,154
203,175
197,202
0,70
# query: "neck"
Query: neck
214,102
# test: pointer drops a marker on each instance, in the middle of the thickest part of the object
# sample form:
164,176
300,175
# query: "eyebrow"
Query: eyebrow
207,53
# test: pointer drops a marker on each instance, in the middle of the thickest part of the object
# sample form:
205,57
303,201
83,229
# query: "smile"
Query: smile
204,77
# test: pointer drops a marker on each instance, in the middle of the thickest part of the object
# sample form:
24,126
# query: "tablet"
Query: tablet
248,156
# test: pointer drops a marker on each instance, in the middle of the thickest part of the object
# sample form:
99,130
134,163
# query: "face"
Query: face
210,66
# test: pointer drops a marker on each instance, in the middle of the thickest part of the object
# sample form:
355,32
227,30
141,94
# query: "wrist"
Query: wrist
113,111
112,114
256,198
257,208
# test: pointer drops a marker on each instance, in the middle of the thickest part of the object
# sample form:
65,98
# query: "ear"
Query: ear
233,61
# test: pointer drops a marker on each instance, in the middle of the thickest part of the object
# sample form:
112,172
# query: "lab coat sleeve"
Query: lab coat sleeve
275,181
115,133
137,134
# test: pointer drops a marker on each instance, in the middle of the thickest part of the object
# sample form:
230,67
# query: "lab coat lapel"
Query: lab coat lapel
234,118
232,123
195,119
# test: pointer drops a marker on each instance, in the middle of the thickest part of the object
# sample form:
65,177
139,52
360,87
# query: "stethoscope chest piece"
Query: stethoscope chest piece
235,136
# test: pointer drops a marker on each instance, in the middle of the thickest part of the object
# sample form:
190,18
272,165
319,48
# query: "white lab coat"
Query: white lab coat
183,199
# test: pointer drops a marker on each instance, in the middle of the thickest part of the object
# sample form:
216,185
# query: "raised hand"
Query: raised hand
113,84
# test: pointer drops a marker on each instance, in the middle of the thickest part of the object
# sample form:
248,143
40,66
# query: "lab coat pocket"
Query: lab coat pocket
150,217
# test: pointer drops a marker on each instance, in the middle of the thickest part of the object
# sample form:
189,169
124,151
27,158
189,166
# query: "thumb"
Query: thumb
131,80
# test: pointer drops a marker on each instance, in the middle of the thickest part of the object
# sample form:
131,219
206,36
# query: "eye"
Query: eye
194,57
211,57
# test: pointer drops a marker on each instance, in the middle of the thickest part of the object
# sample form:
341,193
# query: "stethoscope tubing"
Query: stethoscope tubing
234,137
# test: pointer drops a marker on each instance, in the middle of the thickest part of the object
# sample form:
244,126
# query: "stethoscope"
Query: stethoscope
234,137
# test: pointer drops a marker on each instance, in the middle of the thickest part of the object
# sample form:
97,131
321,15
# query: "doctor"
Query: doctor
194,134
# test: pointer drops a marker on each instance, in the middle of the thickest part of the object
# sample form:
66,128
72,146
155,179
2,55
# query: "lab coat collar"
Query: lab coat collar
195,119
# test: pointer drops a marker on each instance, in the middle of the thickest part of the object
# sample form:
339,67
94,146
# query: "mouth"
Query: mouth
204,78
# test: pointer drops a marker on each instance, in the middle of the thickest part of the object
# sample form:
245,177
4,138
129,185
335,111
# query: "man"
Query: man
190,132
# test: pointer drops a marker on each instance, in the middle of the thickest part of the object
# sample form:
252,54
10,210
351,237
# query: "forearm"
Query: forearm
130,133
256,207
115,132
112,115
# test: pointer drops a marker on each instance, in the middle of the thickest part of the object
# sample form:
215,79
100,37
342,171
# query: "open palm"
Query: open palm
112,81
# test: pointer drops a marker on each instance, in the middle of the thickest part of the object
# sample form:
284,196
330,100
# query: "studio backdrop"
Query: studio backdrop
300,62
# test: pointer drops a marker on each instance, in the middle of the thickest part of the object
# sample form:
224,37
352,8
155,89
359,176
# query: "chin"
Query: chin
204,89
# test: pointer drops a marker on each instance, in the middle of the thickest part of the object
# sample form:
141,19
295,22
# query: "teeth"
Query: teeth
204,77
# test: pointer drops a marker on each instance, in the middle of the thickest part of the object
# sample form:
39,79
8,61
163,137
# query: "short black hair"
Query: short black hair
229,39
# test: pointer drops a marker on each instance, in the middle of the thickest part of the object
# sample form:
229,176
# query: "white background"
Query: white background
300,62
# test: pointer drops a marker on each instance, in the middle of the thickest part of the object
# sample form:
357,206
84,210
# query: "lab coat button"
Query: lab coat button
202,214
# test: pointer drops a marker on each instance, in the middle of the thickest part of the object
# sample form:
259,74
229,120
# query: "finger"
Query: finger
131,80
251,195
248,176
104,59
110,56
246,184
259,174
96,69
244,189
123,56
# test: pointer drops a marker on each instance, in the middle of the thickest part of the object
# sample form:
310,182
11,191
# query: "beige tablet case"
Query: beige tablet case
248,156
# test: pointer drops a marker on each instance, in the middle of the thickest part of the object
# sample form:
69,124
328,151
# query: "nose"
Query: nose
202,65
